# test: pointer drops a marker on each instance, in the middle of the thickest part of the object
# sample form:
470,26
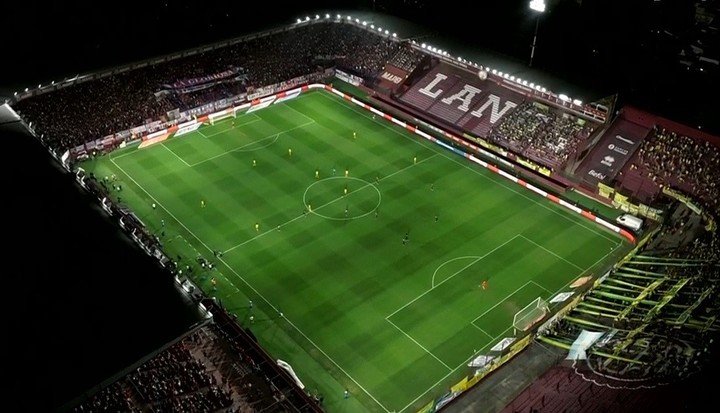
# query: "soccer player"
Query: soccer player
309,208
317,174
213,281
346,211
346,394
233,123
414,159
484,284
250,303
333,171
432,186
254,163
345,191
252,319
347,172
202,203
154,206
436,218
376,213
257,227
289,151
406,238
354,135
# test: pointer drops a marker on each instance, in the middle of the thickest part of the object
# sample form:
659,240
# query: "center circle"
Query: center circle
342,198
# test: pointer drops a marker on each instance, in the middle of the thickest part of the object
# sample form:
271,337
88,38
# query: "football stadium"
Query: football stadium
369,223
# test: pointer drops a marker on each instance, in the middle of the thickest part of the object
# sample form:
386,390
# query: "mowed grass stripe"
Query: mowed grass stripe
336,281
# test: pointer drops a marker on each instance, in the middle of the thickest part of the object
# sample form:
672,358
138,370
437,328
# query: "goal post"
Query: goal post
225,114
530,315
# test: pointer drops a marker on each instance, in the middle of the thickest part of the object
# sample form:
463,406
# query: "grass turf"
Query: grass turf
336,292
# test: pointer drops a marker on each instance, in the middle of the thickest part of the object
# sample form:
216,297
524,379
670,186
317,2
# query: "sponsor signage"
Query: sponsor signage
612,152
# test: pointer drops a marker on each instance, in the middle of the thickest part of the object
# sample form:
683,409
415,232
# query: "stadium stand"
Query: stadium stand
78,113
485,108
210,370
541,133
655,311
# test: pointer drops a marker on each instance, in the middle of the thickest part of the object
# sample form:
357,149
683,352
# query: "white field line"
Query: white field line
256,118
251,287
419,345
274,135
286,104
619,243
432,283
326,204
451,276
547,250
176,155
500,302
443,153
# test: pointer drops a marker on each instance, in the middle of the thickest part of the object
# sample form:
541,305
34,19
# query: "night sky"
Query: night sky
73,324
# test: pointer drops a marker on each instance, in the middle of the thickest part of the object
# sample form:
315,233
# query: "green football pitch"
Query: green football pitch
366,277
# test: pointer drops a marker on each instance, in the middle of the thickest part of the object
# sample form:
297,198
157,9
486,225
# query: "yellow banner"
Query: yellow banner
460,386
605,191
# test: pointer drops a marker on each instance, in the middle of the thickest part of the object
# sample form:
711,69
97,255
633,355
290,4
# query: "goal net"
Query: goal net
216,117
530,315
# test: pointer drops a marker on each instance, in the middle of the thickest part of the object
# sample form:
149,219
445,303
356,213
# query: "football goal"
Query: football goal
530,315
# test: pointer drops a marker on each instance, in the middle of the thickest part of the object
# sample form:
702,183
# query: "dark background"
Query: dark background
82,302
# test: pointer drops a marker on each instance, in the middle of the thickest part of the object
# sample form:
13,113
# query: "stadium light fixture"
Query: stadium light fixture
423,45
512,78
577,102
372,26
349,17
357,20
539,7
15,94
299,21
524,82
394,34
494,71
327,16
564,97
532,85
387,31
380,29
543,90
26,89
317,17
339,16
307,18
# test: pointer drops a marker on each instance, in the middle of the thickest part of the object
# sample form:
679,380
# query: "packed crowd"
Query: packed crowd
113,398
406,58
76,114
684,163
214,369
664,336
540,133
176,380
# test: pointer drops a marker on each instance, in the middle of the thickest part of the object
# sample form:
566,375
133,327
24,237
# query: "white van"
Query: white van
630,221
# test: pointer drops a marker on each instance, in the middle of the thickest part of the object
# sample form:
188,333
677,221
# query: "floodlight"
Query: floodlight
537,5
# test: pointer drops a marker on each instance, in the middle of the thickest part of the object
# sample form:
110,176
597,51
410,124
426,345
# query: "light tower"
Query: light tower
539,7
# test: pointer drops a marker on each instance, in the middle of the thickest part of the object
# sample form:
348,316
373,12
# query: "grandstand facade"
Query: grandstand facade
651,314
